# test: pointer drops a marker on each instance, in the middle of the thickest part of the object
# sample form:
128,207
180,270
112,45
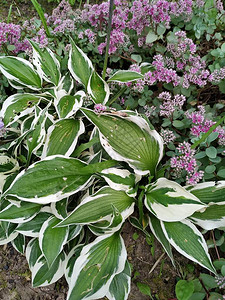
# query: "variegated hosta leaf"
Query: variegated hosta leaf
20,71
111,226
79,64
64,88
50,180
19,243
5,236
36,138
33,227
156,229
212,217
52,240
62,137
8,164
23,213
169,201
188,240
71,258
69,105
96,267
120,179
125,76
99,206
74,231
59,209
17,106
98,88
42,274
47,64
129,139
209,192
119,288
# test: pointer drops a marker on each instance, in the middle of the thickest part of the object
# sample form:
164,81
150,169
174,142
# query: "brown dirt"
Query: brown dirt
15,277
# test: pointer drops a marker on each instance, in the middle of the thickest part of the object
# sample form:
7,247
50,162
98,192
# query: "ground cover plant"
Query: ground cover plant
84,152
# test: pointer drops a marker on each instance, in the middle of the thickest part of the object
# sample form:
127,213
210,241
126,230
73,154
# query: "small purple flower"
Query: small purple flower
2,129
99,108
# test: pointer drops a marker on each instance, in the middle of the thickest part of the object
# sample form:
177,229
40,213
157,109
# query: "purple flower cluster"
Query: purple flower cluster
2,129
217,75
220,281
185,161
169,105
10,34
99,108
202,125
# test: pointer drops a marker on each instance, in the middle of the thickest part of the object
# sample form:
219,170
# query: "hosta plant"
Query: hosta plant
73,171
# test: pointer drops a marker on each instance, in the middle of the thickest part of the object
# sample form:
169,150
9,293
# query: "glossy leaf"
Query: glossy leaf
79,64
125,76
169,201
98,88
99,206
20,71
17,106
62,137
129,139
188,240
52,240
96,267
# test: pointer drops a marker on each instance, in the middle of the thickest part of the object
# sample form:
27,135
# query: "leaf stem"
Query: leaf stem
108,38
121,91
140,206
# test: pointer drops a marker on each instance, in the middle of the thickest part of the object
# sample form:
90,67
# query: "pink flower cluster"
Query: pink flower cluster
217,75
169,105
99,108
11,34
167,135
202,125
186,161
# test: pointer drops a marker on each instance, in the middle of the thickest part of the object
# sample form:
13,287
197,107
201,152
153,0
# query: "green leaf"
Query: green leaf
5,237
211,152
19,70
23,213
59,209
17,106
50,180
178,124
129,139
212,217
210,169
99,206
52,239
41,15
43,275
8,164
125,76
33,252
48,66
96,267
184,289
69,105
119,288
33,227
156,229
221,173
169,201
79,64
144,289
209,192
151,37
188,240
98,88
208,280
19,243
62,137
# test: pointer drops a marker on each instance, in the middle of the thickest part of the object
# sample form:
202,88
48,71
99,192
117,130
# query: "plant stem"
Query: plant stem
214,242
108,38
140,206
117,95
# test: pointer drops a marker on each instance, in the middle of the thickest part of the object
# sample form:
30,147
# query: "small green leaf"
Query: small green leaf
69,105
98,88
184,289
211,152
221,173
144,289
210,169
178,124
151,37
